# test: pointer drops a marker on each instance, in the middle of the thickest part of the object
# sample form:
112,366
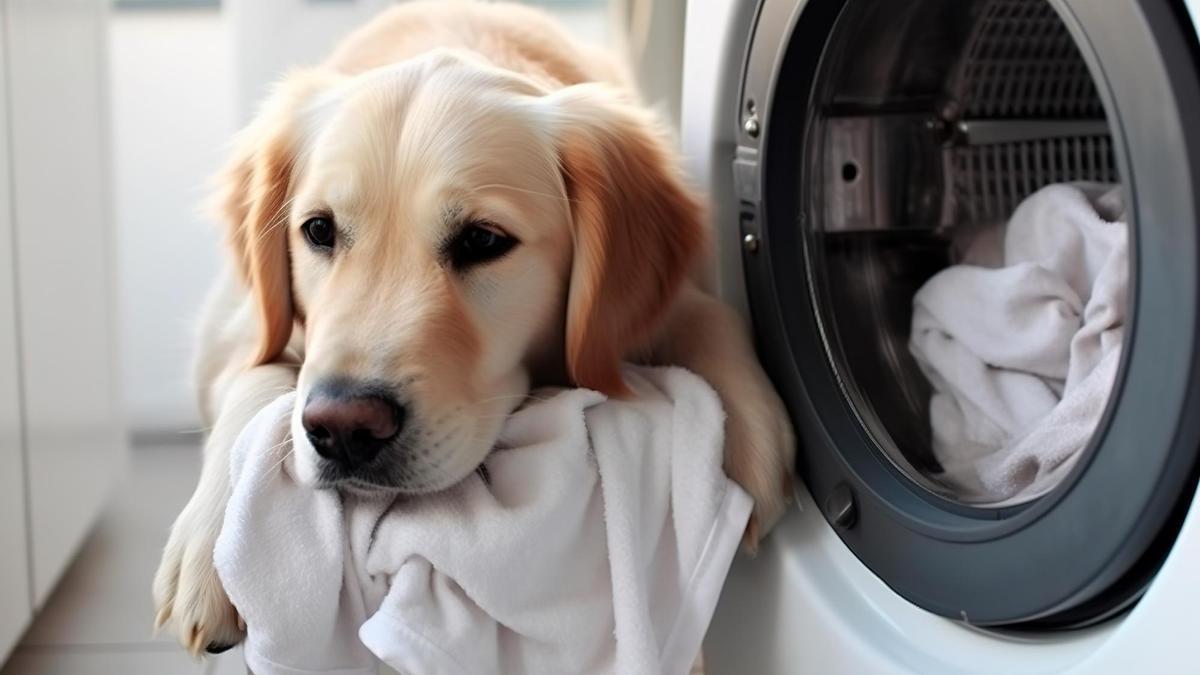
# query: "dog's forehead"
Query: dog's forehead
438,107
435,127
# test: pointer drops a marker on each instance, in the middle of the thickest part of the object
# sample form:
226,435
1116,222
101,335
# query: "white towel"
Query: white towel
599,543
1022,357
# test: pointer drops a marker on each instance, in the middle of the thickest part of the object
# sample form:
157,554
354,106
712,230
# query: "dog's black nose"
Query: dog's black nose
350,424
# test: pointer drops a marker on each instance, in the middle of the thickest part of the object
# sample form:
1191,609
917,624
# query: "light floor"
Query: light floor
99,620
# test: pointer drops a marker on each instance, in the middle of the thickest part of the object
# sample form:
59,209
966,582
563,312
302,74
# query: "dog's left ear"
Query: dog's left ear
251,196
637,228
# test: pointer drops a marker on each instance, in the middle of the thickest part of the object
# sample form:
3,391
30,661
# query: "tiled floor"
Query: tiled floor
99,620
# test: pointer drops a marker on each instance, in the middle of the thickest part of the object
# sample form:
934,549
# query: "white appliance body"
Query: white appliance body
806,603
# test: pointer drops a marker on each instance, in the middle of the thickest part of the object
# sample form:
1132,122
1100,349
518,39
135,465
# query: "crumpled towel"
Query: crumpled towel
1022,357
598,543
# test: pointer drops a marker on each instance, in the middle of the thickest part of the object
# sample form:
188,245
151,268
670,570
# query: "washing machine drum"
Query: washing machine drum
883,151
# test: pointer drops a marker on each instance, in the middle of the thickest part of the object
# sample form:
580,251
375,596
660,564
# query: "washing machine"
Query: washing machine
847,146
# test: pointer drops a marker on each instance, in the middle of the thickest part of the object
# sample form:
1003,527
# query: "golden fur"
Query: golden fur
432,115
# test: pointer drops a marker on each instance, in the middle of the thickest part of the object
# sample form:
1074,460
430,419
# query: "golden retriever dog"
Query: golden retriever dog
461,203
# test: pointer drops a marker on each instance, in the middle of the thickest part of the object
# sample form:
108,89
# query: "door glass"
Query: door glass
969,241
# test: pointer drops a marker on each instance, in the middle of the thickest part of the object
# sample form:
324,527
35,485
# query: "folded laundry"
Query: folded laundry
597,543
1022,356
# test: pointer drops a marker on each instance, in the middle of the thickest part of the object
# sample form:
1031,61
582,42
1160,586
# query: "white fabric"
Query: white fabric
599,544
1022,357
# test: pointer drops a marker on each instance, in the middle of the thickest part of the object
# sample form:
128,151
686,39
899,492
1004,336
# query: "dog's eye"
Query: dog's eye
320,232
478,243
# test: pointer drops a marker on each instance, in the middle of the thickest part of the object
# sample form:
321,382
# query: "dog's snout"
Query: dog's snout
350,424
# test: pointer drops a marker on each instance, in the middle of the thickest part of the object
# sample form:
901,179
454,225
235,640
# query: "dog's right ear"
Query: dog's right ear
637,227
251,199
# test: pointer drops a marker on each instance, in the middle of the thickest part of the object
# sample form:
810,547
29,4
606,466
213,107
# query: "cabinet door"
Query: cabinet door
57,59
14,549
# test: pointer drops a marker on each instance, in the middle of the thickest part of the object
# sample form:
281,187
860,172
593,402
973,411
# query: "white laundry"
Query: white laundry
599,544
1022,357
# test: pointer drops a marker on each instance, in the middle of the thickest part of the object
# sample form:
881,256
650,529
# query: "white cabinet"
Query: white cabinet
59,128
14,550
61,435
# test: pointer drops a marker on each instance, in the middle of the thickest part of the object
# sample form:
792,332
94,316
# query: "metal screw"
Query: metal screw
750,243
751,125
840,507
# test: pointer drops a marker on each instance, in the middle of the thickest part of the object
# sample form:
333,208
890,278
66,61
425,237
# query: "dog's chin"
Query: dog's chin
369,485
362,489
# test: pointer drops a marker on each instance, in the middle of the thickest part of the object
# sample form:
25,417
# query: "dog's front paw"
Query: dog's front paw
188,595
760,448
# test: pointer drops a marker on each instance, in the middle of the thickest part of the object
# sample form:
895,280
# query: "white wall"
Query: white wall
271,36
652,39
173,113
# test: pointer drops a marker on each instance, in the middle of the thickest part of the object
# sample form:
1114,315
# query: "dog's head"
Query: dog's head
445,233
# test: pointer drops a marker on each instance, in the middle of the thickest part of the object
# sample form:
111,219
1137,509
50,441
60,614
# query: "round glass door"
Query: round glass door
969,243
976,283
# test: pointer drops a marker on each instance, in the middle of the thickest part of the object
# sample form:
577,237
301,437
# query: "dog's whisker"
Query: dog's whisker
279,219
514,188
279,445
521,397
500,397
283,389
279,464
279,391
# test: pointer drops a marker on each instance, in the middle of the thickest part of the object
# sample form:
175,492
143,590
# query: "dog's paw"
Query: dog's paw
760,448
188,595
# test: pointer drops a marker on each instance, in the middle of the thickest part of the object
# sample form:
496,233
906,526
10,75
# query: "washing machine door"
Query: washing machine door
884,146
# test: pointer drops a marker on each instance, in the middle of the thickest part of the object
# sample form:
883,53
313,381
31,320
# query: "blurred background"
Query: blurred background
113,114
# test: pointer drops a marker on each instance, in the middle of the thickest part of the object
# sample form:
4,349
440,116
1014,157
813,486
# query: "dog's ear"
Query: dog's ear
251,199
637,230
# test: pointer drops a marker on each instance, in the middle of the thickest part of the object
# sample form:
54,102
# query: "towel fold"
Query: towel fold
1022,357
598,543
